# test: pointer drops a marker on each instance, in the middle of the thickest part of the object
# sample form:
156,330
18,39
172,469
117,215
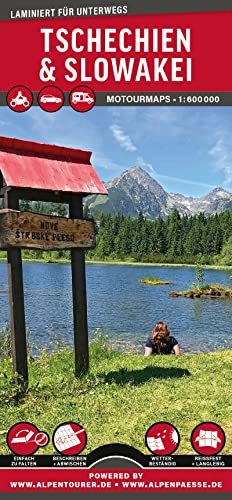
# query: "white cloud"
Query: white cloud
40,119
101,160
163,122
123,139
221,154
114,112
4,123
185,181
143,164
66,128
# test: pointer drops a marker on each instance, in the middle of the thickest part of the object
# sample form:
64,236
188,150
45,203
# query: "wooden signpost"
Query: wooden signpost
43,172
30,230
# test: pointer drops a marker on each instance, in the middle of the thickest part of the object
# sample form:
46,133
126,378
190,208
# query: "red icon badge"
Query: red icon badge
19,99
69,438
82,98
50,99
24,438
162,438
208,438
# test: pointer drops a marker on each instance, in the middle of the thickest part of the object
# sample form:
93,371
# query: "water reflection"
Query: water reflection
120,305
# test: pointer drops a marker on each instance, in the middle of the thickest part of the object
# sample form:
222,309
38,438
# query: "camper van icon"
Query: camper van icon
82,98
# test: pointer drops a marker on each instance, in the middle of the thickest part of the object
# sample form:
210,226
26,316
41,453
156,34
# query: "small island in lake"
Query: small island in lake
207,291
153,281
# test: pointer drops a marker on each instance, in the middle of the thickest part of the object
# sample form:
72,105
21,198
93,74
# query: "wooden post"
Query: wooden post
17,313
81,346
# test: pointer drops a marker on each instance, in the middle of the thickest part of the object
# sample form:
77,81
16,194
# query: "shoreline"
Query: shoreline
124,263
160,264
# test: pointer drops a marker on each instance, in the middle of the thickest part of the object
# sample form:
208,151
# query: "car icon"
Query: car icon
82,97
50,98
19,100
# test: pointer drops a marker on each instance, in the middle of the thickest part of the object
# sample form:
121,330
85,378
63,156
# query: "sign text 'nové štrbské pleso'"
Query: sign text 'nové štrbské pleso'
29,230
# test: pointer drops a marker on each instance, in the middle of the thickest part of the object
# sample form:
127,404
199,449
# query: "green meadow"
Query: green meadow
122,395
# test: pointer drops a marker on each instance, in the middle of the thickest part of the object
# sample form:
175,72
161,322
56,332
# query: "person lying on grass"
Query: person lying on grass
161,342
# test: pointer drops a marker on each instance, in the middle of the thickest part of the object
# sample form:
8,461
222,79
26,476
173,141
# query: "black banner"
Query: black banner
28,9
116,455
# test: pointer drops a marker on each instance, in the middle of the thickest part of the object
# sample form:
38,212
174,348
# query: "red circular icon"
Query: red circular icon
50,98
69,438
82,98
24,438
162,438
41,439
19,98
208,438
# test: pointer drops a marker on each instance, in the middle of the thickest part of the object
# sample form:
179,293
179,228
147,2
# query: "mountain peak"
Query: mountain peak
136,191
217,193
136,172
136,176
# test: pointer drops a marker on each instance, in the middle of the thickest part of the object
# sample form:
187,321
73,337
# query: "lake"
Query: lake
118,304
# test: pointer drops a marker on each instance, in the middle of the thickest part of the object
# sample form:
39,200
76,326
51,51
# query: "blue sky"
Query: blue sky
187,150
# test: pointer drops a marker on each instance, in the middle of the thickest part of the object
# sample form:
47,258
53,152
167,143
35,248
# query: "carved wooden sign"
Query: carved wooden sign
29,230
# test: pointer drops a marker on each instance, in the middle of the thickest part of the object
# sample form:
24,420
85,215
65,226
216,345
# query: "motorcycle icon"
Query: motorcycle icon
20,100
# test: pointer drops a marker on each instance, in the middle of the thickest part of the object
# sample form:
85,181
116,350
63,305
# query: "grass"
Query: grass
121,396
215,291
153,281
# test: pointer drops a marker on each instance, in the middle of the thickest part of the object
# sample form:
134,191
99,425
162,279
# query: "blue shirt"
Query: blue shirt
168,349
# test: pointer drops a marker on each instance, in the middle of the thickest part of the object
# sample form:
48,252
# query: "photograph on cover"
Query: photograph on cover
159,294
